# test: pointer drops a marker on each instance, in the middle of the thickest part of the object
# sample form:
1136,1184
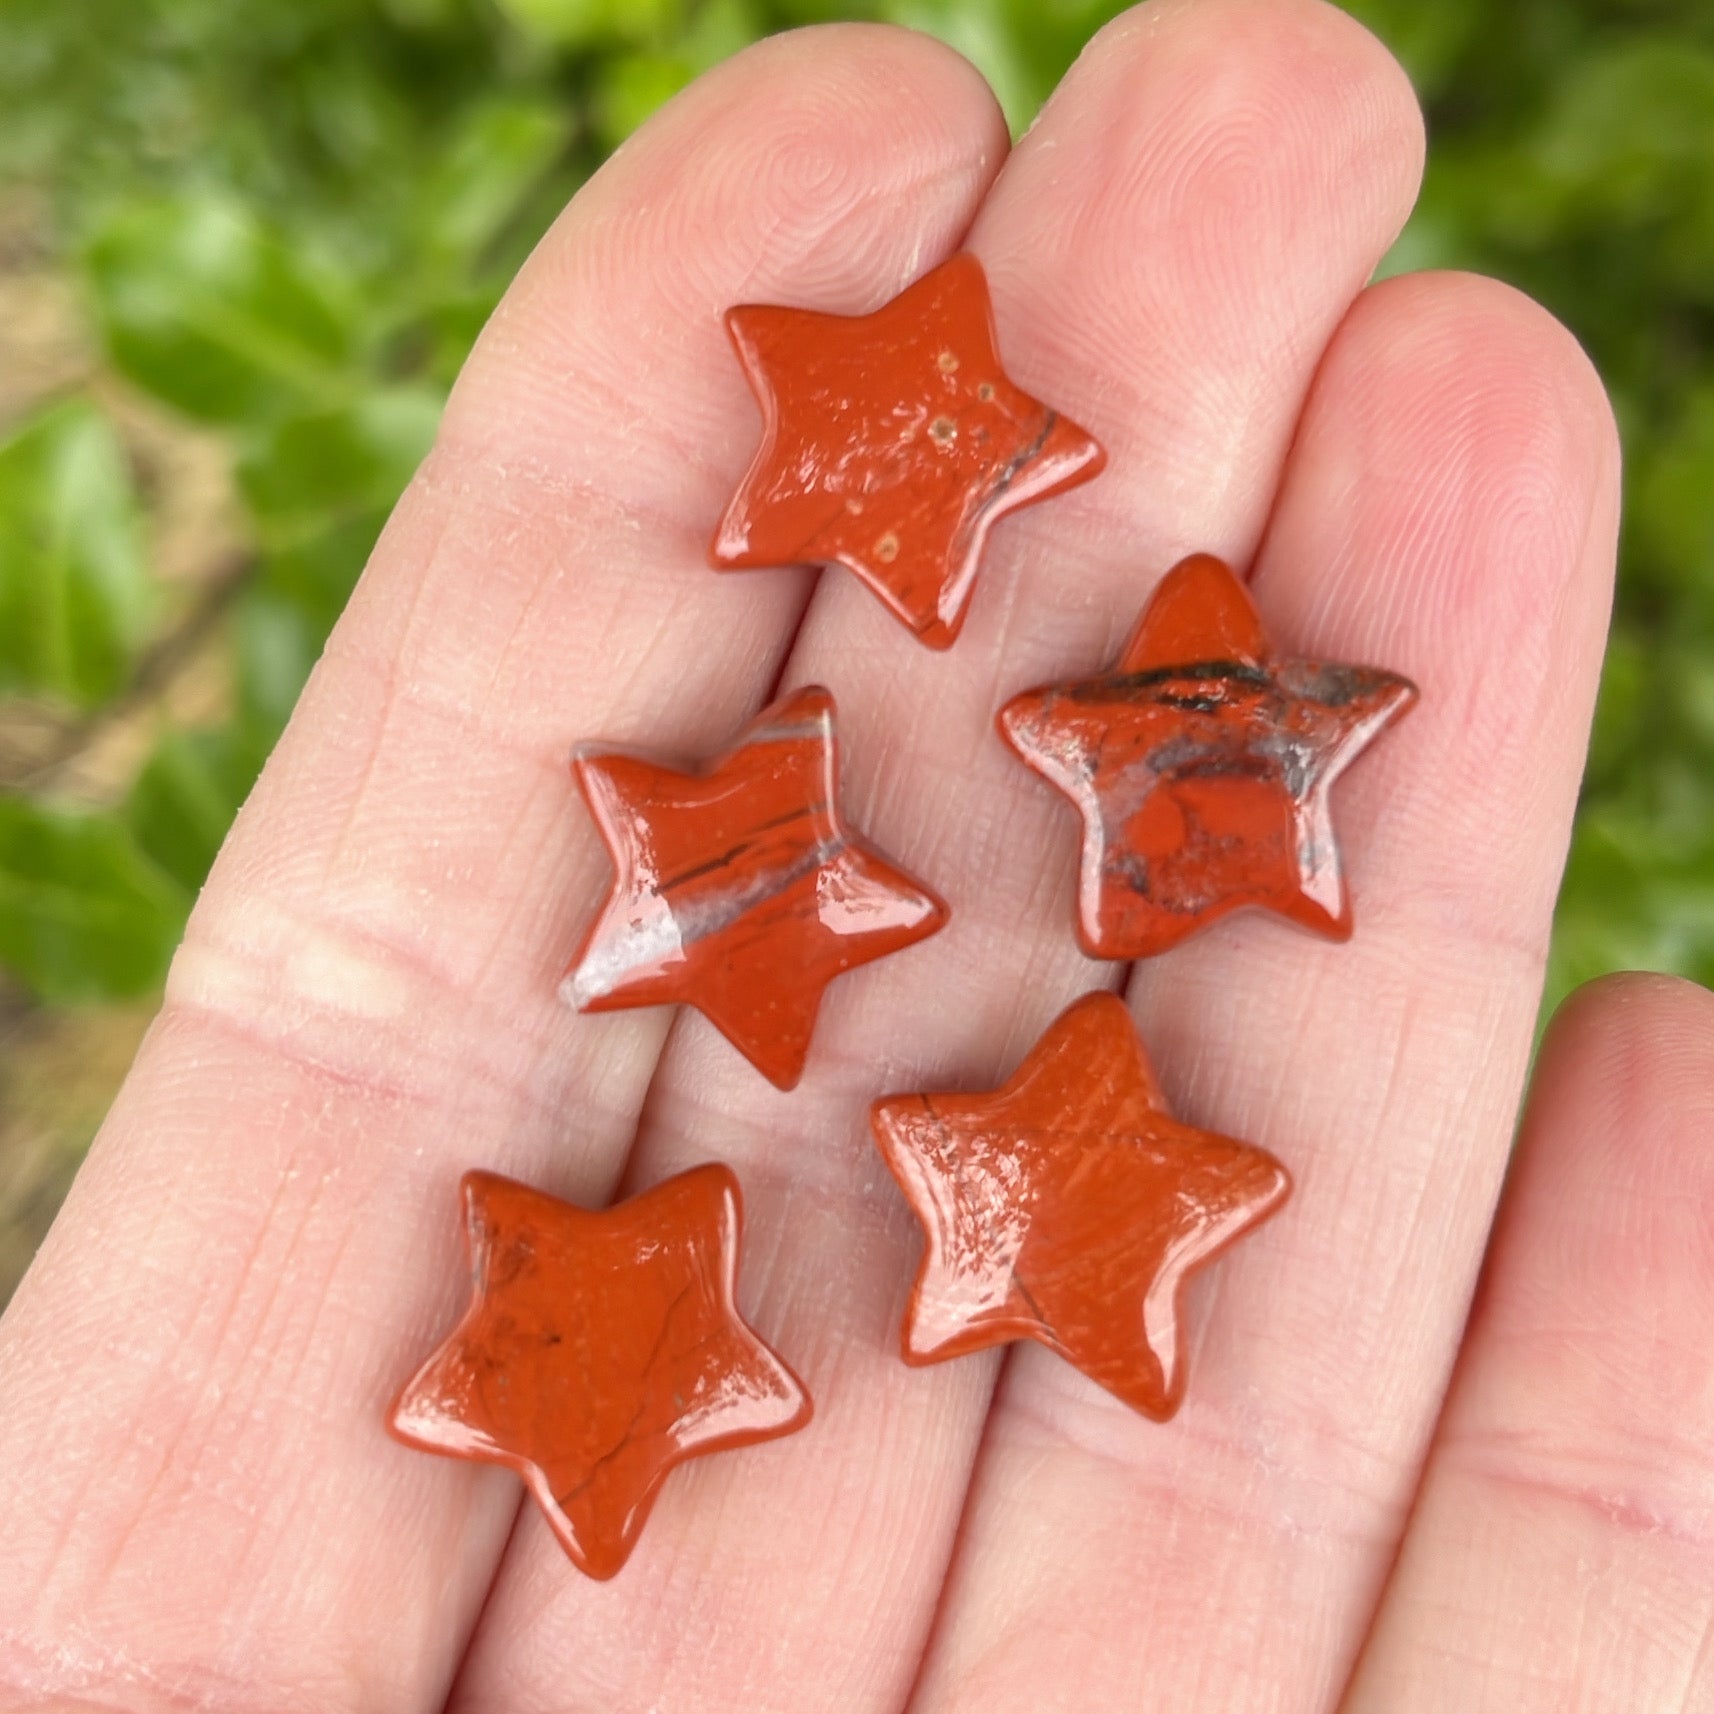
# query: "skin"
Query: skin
1375,1497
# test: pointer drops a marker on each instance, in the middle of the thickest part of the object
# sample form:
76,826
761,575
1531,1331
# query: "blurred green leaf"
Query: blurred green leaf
582,23
1429,36
279,641
717,29
208,309
1672,495
184,800
1638,895
318,572
305,470
1626,702
284,620
84,915
448,328
1628,137
1690,669
321,487
423,14
498,153
74,589
632,87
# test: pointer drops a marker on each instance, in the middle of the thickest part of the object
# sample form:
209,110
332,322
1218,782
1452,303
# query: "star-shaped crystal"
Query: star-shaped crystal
1202,765
600,1350
1069,1207
891,443
737,888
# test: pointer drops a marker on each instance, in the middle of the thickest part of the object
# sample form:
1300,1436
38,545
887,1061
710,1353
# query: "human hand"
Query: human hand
201,1505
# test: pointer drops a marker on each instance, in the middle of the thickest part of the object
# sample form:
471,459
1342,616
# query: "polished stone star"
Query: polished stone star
738,890
600,1350
891,443
1202,766
1069,1207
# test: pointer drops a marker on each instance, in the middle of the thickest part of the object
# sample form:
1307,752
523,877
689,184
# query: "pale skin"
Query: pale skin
1376,1497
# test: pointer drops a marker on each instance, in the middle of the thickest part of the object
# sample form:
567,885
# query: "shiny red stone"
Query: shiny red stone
738,890
1069,1207
1202,765
891,443
600,1350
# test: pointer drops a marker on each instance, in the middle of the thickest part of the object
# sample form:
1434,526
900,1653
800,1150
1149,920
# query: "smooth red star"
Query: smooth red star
1202,765
599,1350
1069,1207
891,443
737,888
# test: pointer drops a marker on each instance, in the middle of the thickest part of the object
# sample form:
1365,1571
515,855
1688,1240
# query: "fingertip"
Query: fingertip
1612,1208
1450,509
1215,180
1636,1002
911,79
1447,321
1628,1064
790,136
1289,105
1315,73
764,179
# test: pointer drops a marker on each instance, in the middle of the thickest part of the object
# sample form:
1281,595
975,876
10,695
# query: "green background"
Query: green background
245,244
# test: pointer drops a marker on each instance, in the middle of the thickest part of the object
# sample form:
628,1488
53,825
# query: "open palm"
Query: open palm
1372,1500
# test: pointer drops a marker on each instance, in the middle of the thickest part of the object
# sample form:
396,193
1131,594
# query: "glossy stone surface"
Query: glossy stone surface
1069,1207
737,888
600,1350
891,443
1202,765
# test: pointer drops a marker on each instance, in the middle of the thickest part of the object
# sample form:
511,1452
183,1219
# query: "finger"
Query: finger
196,1489
1560,1554
1168,250
1448,512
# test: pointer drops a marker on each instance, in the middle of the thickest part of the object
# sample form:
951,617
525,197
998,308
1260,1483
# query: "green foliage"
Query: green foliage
498,149
74,590
317,467
187,794
289,218
83,914
211,312
576,23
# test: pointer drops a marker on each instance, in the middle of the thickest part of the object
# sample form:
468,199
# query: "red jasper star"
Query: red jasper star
1069,1207
891,443
1202,765
738,890
600,1350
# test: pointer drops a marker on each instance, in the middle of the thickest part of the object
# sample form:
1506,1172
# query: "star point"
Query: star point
737,888
1202,766
892,443
1070,1207
599,1351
